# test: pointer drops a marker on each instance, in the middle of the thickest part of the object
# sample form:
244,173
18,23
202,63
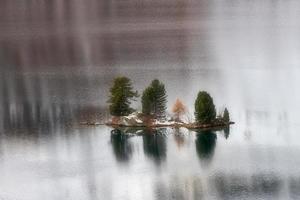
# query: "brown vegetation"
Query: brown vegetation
178,109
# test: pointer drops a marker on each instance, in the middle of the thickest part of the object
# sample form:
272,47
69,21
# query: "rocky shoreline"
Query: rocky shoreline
175,125
138,120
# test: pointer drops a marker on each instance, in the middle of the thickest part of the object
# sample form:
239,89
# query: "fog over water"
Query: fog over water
59,57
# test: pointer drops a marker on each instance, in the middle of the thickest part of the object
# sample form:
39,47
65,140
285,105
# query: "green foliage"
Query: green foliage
226,117
205,111
147,99
121,94
154,99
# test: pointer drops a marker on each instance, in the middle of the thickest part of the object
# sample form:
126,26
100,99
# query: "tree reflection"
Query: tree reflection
121,146
227,132
179,138
205,144
173,188
154,142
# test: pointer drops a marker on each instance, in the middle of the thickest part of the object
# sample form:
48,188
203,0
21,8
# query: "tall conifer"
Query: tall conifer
121,94
154,99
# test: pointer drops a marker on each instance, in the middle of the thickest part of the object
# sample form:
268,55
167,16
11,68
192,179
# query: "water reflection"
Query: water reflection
94,173
179,188
205,145
228,186
179,138
238,186
226,132
122,147
294,187
154,143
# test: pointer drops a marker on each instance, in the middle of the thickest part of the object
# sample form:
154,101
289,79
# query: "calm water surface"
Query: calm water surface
57,61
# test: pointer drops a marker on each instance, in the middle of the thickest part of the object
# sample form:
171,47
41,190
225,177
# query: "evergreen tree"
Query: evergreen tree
205,111
147,99
121,94
154,99
226,117
160,98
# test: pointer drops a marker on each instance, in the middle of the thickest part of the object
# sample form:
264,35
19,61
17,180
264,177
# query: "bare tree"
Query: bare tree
178,109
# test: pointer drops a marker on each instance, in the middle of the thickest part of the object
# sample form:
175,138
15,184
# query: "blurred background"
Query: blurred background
61,55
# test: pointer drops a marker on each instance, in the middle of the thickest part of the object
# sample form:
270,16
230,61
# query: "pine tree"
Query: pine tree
147,99
160,98
226,117
154,99
205,111
121,94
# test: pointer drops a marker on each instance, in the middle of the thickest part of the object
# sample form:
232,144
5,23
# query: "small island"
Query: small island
153,113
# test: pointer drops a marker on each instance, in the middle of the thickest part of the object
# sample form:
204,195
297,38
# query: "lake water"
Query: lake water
57,61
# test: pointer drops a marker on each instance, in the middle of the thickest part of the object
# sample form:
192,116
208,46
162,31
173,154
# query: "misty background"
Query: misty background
60,55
